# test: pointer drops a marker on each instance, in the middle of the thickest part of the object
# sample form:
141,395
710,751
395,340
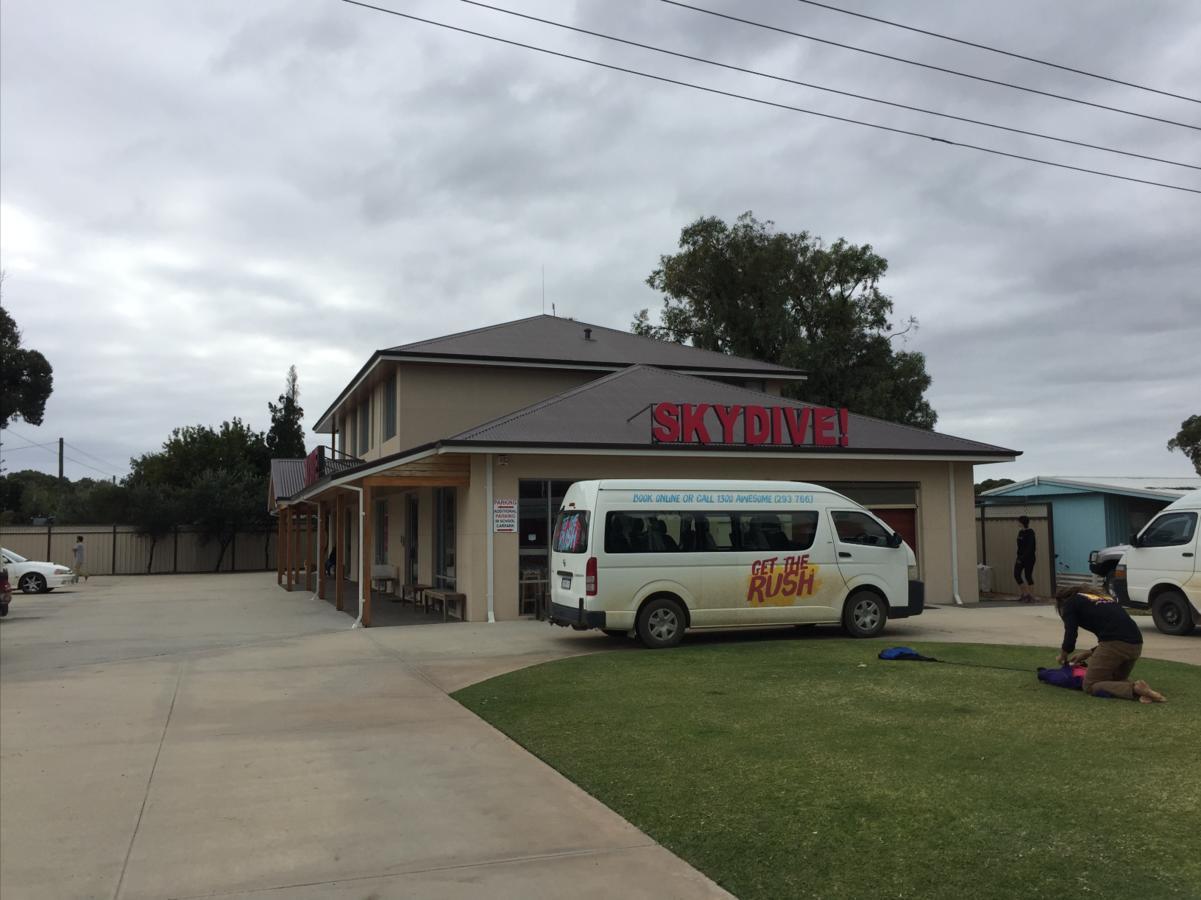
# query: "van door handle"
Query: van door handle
842,554
1186,554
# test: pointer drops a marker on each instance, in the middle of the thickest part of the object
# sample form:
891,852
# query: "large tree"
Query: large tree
285,438
26,378
214,476
749,290
1188,441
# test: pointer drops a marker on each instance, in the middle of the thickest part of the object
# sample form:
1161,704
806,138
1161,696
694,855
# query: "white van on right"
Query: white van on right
1160,570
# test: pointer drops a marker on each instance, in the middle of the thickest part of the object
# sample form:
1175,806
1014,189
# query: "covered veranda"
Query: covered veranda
335,541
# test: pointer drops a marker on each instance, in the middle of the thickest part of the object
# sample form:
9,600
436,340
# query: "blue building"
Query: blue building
1088,513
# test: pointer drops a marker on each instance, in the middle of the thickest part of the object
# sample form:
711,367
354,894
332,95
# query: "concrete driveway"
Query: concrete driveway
207,736
212,735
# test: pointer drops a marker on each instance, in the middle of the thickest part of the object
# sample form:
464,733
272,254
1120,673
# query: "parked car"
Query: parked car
1103,562
34,577
1160,570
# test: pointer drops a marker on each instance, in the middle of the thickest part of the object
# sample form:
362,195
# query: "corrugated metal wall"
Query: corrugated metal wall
120,550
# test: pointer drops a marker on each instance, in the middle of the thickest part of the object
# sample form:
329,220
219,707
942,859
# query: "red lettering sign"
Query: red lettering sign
666,427
753,425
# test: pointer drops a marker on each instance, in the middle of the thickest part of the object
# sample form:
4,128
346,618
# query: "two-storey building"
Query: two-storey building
451,455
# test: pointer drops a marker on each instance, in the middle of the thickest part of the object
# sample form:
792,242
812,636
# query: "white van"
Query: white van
1160,572
657,557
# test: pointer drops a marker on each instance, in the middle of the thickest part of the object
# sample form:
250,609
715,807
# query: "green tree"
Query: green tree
1188,441
155,510
215,475
749,290
989,483
285,438
26,378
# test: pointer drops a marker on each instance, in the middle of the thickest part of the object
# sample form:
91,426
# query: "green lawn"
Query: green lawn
805,767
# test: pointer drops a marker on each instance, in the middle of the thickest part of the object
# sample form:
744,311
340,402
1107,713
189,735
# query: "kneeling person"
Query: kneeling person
1119,644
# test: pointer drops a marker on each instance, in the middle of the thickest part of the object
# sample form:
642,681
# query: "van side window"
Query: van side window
1170,530
663,531
777,530
859,528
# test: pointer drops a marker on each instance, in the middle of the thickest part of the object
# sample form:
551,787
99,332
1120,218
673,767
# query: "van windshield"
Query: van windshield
571,532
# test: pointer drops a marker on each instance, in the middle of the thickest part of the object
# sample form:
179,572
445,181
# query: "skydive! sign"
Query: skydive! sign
715,425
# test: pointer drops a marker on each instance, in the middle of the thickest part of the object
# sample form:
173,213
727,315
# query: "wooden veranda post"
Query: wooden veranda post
339,551
365,551
279,546
308,542
288,546
323,548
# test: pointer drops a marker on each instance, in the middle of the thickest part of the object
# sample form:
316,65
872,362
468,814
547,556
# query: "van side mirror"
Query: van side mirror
1134,541
895,540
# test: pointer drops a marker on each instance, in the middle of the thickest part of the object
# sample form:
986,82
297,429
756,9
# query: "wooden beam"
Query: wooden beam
340,550
322,547
403,482
367,555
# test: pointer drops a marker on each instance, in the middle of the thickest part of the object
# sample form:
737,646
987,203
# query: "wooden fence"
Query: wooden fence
996,545
120,550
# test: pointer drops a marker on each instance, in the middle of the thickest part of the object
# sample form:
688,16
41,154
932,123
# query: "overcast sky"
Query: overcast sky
197,195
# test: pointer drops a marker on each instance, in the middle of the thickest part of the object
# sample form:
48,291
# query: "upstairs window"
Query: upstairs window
390,408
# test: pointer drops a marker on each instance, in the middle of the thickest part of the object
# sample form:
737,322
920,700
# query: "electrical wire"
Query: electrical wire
1022,56
772,103
50,446
830,90
91,456
931,66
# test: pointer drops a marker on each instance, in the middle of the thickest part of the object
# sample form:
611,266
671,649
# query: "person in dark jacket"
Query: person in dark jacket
1023,568
1119,644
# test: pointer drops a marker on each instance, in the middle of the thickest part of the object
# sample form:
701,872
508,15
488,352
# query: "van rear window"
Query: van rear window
571,532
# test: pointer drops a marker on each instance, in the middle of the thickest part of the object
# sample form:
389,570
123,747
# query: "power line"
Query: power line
49,448
772,103
966,43
91,456
931,66
818,87
29,442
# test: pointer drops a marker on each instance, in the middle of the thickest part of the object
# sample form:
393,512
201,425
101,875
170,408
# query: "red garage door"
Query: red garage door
902,521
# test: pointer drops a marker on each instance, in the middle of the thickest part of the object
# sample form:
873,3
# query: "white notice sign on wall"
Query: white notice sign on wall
504,515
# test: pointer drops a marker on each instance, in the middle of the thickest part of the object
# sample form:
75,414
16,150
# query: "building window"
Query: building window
538,503
364,427
390,408
381,532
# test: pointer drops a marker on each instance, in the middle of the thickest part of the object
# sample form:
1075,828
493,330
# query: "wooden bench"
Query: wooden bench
382,576
413,593
444,599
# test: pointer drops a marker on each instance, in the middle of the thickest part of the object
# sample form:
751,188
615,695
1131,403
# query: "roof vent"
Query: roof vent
587,334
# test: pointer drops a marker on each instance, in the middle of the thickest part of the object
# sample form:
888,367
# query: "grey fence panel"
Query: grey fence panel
120,550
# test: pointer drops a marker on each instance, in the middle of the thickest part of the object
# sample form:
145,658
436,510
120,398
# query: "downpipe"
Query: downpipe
489,539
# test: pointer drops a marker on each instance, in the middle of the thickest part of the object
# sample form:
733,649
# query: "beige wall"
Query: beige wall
934,513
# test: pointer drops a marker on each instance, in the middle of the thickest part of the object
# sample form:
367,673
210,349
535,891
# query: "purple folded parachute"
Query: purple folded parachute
1066,676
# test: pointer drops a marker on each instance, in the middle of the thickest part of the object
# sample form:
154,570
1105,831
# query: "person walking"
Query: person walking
1119,644
1023,568
80,558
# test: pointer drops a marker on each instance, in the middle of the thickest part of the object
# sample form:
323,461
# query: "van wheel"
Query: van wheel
661,623
864,615
1172,613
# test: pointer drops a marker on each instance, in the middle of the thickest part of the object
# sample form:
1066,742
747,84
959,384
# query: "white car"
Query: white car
35,577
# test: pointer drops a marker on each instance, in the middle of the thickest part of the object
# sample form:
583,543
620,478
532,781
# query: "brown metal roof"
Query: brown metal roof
555,340
287,477
615,412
